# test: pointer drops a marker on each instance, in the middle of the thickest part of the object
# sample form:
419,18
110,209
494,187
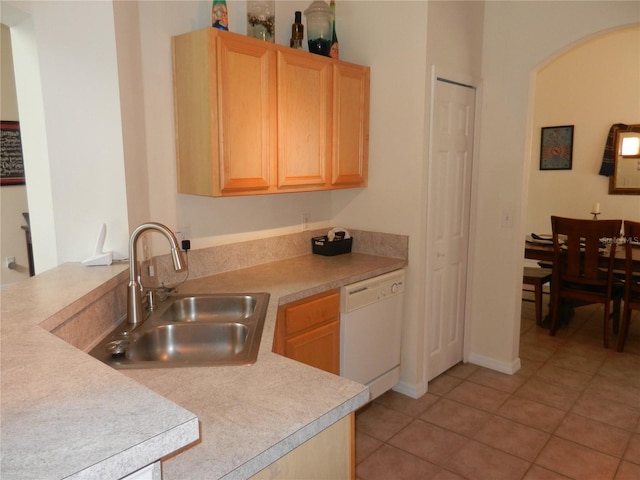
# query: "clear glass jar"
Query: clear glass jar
319,27
261,20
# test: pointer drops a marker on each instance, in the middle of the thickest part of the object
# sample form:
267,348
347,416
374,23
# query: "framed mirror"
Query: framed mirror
626,175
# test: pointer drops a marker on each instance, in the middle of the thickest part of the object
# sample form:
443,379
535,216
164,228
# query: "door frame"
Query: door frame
438,72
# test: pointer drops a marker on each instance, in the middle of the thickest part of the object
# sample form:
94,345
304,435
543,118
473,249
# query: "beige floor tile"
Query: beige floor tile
628,471
532,413
477,461
579,363
462,370
381,422
443,384
528,367
478,396
428,441
511,437
593,434
536,472
497,380
598,407
622,367
615,390
365,445
548,394
592,350
632,453
447,475
456,417
537,353
407,405
563,377
389,463
576,461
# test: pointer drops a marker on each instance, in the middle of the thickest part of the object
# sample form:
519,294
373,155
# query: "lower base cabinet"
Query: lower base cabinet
328,455
308,331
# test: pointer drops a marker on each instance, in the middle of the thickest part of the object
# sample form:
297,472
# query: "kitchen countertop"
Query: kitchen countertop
64,412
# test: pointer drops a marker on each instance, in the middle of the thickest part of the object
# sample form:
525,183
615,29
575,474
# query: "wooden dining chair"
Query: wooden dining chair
631,296
583,252
536,277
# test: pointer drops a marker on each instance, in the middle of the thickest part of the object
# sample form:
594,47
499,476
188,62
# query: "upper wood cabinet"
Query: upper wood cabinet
254,118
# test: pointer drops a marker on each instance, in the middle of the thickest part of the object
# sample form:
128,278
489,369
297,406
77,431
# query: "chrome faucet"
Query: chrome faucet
134,294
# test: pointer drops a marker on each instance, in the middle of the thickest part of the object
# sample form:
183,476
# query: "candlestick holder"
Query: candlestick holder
595,215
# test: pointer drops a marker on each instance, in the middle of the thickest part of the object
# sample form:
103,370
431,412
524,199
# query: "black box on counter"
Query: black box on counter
322,246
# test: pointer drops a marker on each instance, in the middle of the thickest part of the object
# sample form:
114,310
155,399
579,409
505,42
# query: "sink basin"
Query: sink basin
203,309
190,330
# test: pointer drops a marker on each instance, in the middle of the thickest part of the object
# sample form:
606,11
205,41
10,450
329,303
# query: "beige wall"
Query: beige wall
519,38
13,198
592,86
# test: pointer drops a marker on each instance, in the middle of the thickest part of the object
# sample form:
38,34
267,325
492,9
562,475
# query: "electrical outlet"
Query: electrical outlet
305,222
183,233
8,261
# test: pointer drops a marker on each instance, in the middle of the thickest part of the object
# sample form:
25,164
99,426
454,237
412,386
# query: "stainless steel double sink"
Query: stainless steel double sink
190,330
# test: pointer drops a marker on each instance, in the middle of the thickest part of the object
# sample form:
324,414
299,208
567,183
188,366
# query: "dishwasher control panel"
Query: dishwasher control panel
371,290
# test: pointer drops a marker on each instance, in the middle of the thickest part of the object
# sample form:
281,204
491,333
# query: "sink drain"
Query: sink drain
117,348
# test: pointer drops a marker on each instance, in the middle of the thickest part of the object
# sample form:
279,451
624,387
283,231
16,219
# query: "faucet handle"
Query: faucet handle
151,304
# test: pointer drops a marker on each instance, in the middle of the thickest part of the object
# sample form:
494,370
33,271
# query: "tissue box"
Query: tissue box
322,246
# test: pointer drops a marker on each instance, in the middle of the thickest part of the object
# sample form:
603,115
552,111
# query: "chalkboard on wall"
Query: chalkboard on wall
11,161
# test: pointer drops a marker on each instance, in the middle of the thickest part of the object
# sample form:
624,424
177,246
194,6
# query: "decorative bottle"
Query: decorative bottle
335,47
261,19
219,15
297,32
319,27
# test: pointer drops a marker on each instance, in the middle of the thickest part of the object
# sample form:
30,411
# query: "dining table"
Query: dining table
542,251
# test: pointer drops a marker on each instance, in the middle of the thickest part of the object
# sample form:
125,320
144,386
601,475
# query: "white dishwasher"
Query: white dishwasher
371,331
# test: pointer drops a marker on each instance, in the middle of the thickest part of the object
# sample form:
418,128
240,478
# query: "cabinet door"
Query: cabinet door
319,347
350,126
304,121
246,90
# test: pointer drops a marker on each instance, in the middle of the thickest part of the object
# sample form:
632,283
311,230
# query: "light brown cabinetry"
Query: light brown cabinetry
253,117
308,331
329,455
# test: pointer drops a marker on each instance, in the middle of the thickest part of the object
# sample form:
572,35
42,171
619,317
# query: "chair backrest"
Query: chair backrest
579,248
632,271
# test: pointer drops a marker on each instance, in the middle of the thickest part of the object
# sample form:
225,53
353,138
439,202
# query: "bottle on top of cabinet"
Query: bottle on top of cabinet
297,32
219,15
334,52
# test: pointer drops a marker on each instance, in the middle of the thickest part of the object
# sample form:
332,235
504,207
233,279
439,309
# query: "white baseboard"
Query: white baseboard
413,391
493,364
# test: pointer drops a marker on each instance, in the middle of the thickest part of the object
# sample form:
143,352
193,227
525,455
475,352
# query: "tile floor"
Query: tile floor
571,411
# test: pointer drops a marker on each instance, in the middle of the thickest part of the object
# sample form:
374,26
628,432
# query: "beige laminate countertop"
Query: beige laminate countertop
64,412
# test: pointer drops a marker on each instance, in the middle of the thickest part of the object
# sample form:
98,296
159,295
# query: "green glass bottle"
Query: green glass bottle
335,47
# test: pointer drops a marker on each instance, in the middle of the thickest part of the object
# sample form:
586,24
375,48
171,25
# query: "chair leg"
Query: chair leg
607,324
616,314
624,328
538,303
554,314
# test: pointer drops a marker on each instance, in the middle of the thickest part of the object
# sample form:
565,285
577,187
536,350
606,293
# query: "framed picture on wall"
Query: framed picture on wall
556,148
11,162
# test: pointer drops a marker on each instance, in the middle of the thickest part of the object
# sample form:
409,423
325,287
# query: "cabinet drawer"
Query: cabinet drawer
311,313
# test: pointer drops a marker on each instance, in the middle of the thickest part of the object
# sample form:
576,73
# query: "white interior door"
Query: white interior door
450,162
